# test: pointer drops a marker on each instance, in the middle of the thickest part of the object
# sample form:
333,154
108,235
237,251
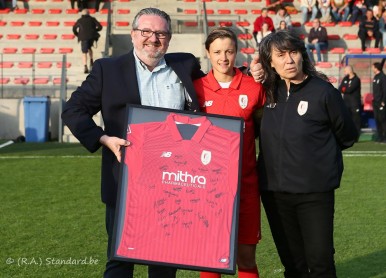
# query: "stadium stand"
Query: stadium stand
41,36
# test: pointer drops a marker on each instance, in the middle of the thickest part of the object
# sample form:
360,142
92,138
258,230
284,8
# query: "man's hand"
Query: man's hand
114,144
256,69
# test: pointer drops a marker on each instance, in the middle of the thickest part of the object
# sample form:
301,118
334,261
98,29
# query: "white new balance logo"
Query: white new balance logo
166,154
208,103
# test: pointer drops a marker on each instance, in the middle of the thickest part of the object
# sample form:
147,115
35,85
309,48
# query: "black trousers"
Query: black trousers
120,269
380,120
302,228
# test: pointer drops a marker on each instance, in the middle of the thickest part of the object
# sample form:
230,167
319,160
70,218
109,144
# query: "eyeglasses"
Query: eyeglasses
148,33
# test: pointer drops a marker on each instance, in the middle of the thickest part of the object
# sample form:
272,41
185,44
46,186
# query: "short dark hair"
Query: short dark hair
220,33
152,11
378,66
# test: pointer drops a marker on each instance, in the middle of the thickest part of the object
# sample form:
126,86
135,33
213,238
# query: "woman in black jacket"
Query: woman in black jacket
304,129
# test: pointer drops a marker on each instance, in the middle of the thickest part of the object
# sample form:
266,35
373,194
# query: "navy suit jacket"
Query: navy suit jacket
112,84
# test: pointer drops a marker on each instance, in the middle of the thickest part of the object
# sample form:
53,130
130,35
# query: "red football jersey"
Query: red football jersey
241,99
181,192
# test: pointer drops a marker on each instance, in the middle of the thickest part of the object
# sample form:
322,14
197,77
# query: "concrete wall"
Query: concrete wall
12,118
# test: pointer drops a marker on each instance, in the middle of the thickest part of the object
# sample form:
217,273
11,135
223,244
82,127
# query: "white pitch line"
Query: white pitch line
46,156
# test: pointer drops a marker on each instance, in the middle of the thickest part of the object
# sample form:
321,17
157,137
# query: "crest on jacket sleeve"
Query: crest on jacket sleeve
302,107
243,101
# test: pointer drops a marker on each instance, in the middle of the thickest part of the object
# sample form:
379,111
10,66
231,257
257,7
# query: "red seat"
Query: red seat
225,23
296,24
64,50
3,23
9,50
55,11
355,50
6,65
368,102
190,11
324,65
244,36
247,50
211,23
345,24
52,23
37,11
4,80
208,11
13,36
189,0
337,50
69,23
17,23
92,11
242,23
24,65
20,11
59,64
31,36
373,50
58,80
72,11
21,80
50,36
5,11
67,36
222,11
41,80
104,11
191,23
361,65
328,24
123,11
237,11
103,23
28,50
44,65
256,11
34,23
47,50
333,37
122,23
366,79
222,0
350,36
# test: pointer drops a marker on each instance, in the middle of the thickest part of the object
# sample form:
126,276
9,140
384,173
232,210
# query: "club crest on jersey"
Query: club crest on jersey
243,101
208,103
302,107
206,157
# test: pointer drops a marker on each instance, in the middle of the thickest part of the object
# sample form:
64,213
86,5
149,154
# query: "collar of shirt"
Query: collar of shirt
215,86
160,87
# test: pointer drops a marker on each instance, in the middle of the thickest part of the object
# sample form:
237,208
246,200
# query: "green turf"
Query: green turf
51,211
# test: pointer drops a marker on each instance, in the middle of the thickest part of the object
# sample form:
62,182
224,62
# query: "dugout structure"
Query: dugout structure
362,65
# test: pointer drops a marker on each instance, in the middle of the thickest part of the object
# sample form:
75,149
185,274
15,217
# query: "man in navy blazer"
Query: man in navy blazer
145,76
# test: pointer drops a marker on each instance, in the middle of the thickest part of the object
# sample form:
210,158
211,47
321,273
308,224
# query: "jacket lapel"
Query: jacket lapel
129,73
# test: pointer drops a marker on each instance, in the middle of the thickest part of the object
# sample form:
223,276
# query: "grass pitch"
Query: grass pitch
52,220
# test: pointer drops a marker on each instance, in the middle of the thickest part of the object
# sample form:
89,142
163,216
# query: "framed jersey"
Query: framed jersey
178,191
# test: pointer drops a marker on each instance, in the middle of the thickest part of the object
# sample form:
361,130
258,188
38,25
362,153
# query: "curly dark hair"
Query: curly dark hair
283,40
